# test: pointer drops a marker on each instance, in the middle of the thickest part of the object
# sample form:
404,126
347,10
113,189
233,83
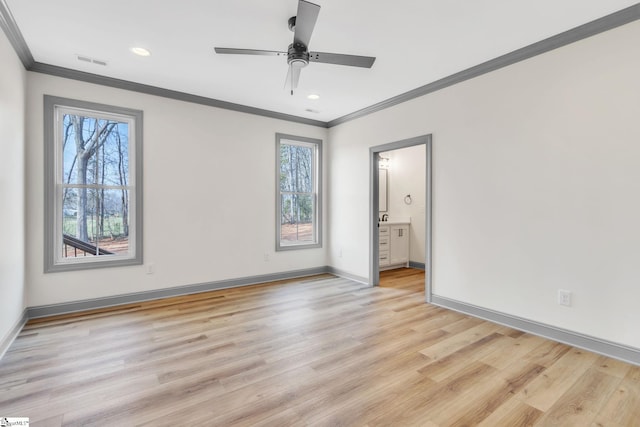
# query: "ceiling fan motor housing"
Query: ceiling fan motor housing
298,55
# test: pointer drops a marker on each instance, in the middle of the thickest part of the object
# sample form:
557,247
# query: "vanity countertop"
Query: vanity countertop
394,221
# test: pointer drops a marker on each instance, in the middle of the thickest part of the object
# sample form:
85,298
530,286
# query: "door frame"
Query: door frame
374,238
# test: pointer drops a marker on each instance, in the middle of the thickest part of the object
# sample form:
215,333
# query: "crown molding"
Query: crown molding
68,73
10,28
609,22
573,35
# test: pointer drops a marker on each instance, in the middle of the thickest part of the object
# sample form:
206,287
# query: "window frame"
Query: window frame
317,191
53,110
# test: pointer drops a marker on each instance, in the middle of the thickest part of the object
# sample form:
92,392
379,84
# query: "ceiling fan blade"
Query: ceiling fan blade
287,79
295,77
340,59
305,22
233,51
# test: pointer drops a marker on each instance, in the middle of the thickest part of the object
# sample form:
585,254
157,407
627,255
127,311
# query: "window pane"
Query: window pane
95,151
296,221
113,221
101,227
70,211
296,168
78,222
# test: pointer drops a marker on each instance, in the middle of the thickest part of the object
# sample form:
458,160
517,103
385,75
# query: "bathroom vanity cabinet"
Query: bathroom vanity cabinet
394,245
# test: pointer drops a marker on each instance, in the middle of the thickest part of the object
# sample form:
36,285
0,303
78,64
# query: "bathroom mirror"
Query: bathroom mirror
382,186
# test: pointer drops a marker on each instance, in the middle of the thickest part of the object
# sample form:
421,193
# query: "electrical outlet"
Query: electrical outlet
266,257
340,253
150,268
564,297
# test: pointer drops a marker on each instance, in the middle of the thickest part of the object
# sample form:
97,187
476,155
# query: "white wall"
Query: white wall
536,186
209,196
406,174
12,147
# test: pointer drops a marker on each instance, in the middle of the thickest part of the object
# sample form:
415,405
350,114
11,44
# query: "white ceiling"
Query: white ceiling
416,42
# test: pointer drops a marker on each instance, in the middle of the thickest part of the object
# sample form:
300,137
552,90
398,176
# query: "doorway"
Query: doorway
374,207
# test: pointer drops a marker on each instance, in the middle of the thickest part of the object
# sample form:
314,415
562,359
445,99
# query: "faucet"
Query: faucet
385,217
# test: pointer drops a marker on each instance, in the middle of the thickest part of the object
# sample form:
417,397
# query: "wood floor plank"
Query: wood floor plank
583,401
545,390
517,348
349,400
634,373
321,351
458,341
55,421
603,422
623,407
512,413
547,353
612,367
440,369
421,399
482,399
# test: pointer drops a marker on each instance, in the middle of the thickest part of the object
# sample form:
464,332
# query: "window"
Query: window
93,182
299,201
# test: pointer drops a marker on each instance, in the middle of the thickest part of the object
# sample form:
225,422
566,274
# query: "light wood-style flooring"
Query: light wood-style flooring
321,351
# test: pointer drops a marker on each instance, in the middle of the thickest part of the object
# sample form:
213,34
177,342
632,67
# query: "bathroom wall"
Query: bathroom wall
406,176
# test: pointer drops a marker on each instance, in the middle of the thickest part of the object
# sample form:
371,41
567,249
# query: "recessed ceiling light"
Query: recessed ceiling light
313,96
140,51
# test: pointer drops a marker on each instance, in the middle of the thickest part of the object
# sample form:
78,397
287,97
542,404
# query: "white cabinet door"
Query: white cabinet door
384,251
384,246
399,244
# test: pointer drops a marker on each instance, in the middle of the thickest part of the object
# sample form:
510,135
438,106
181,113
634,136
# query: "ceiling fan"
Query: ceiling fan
298,55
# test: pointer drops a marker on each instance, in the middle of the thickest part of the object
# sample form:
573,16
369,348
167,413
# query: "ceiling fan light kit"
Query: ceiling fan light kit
298,55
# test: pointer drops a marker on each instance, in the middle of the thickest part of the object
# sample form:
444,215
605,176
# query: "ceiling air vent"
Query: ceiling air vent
84,58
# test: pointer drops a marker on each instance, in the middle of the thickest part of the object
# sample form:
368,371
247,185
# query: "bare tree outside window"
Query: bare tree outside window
298,192
93,168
